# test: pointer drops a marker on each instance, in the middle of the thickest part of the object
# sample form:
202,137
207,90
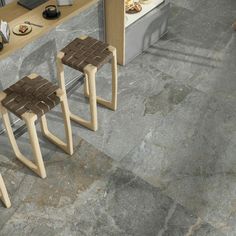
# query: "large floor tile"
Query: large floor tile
89,194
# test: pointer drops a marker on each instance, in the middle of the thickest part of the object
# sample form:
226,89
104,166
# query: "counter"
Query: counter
15,14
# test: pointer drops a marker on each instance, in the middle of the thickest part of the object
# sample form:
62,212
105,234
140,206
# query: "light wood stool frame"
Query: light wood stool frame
3,193
90,89
30,118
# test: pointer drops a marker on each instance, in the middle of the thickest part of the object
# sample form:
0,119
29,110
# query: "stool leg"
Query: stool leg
90,71
113,103
86,86
68,146
3,193
9,131
30,119
38,168
114,78
60,71
67,124
90,74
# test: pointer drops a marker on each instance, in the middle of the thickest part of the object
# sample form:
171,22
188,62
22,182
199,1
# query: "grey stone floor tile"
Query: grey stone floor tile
178,15
222,80
174,128
198,28
187,4
89,194
194,147
221,10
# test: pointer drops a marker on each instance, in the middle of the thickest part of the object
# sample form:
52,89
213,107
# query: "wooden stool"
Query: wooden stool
87,55
30,99
3,193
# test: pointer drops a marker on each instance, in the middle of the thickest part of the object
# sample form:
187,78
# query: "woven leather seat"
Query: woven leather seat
82,52
37,96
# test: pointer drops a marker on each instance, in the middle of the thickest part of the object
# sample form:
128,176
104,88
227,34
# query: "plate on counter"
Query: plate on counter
22,29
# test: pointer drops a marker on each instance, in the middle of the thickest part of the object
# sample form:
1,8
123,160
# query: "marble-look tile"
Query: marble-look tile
221,11
185,52
196,28
187,4
89,22
174,127
89,194
190,156
222,80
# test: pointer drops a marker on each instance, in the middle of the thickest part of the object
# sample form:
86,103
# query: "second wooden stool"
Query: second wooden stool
87,55
30,99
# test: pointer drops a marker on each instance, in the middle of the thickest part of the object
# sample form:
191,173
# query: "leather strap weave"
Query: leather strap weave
31,95
81,52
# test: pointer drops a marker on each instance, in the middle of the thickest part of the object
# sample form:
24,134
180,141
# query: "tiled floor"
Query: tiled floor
90,194
174,129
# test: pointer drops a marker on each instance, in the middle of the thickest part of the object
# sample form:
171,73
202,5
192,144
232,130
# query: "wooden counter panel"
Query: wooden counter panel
35,16
115,27
12,11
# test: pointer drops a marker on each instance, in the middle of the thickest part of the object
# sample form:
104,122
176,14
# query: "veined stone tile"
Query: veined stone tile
89,194
187,4
190,156
221,10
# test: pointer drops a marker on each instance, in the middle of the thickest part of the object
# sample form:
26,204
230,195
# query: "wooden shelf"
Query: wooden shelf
117,24
15,14
131,18
115,27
